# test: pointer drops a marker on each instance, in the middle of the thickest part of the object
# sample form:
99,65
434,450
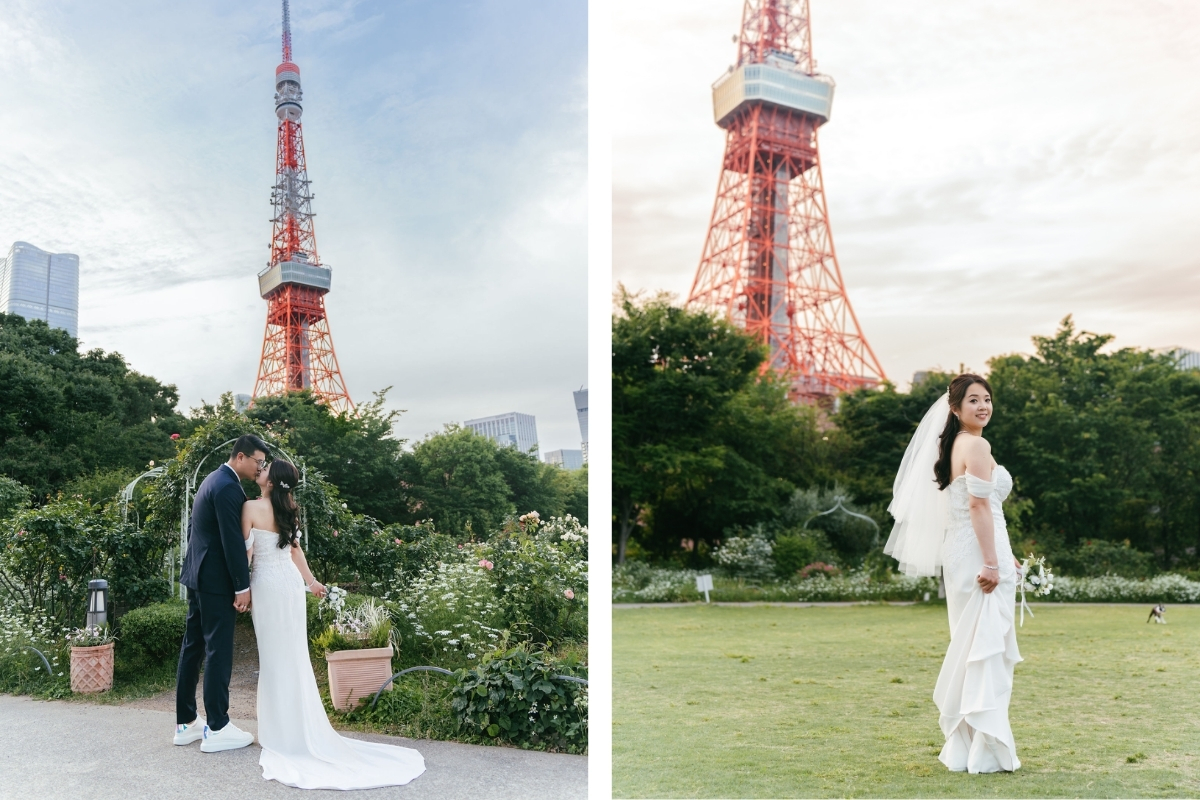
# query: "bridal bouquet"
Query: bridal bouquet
1036,577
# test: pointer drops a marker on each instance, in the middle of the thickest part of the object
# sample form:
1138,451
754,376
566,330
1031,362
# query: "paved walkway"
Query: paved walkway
101,752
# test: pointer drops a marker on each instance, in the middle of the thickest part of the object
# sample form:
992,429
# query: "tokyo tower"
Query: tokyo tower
768,263
297,348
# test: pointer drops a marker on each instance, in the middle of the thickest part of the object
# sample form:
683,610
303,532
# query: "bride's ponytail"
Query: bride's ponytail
958,390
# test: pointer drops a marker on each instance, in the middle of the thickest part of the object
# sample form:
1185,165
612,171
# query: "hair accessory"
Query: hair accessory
284,485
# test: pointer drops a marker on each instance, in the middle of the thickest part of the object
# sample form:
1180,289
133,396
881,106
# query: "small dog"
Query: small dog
1158,614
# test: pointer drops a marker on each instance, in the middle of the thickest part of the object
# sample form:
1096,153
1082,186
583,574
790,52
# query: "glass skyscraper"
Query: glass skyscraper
41,285
508,430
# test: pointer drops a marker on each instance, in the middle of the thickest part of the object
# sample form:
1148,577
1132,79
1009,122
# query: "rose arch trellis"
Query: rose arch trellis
190,481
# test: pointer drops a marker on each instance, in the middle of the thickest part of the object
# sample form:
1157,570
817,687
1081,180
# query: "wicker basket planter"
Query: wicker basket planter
92,668
357,673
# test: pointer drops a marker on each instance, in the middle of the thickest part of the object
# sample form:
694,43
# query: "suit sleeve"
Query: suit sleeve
229,521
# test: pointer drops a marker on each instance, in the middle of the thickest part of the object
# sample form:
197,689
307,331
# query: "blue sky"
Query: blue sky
990,167
446,142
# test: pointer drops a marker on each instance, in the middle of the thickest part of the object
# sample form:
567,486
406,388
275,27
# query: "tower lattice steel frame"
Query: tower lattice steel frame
297,346
768,263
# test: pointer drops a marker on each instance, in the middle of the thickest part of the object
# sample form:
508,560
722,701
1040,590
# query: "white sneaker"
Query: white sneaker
231,737
194,732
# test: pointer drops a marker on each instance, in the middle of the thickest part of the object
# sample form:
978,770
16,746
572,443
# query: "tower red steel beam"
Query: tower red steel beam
297,348
768,263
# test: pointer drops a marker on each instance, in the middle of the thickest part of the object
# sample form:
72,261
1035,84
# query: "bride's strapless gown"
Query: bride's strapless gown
299,746
975,684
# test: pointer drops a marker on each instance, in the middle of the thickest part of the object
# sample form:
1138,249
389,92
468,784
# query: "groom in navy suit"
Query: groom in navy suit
216,571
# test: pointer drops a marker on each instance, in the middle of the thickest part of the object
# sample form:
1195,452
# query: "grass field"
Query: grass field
817,702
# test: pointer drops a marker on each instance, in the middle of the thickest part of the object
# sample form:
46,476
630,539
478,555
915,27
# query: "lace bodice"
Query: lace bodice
960,533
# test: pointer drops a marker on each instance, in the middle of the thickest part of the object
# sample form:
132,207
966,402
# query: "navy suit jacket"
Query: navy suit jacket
216,555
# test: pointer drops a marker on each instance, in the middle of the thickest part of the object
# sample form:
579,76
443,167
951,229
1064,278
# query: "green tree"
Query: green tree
455,478
64,414
355,452
1106,445
701,441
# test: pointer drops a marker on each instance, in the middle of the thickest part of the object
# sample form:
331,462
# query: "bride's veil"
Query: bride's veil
918,506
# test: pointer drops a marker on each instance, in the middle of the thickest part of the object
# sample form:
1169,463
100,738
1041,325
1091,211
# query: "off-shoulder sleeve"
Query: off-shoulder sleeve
979,487
250,539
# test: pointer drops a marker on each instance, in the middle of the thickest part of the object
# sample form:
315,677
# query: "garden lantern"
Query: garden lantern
97,613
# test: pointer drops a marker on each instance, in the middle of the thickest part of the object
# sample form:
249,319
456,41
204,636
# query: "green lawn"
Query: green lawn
816,702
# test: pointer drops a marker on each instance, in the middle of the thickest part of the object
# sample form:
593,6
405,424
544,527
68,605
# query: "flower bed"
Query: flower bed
640,583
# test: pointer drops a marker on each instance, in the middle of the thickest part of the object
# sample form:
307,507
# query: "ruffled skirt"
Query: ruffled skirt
975,685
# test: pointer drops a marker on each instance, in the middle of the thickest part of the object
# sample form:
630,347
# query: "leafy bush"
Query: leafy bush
849,537
794,551
746,556
14,497
151,636
634,584
541,577
513,696
1096,557
50,553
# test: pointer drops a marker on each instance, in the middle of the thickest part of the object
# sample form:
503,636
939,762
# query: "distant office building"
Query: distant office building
581,407
508,430
41,285
1184,359
567,459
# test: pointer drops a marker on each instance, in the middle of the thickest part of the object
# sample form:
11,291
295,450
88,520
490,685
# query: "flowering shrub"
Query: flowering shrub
819,569
513,696
746,556
638,582
541,577
1112,589
446,615
19,631
635,583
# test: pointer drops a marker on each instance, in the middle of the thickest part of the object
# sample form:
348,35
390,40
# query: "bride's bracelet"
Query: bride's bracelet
989,566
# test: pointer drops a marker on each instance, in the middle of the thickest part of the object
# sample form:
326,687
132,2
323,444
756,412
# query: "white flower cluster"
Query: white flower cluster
20,630
451,606
552,559
746,556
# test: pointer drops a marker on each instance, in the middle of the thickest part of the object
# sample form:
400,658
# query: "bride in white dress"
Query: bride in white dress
947,505
299,746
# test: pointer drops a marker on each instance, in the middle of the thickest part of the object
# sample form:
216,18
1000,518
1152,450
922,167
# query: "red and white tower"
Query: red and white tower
297,347
768,264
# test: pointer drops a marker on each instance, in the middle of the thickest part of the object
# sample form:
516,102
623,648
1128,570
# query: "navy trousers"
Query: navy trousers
207,639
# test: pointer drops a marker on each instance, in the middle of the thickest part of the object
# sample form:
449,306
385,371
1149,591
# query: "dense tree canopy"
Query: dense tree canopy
64,414
466,483
1102,445
701,441
354,452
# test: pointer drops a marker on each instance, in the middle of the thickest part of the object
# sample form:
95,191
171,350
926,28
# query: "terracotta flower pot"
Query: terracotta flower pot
357,673
92,668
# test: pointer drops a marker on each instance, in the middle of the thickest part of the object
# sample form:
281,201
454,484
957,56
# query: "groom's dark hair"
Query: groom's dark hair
247,444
